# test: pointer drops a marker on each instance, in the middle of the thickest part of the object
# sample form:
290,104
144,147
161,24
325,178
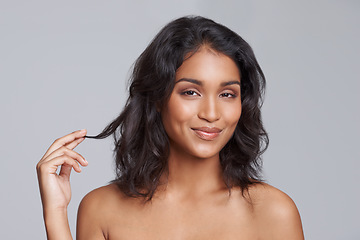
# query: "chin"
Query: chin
205,153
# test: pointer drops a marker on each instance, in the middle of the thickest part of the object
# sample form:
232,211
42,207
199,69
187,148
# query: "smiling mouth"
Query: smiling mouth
206,133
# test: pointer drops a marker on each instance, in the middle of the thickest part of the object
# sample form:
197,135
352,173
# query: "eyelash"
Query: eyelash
189,93
192,92
230,95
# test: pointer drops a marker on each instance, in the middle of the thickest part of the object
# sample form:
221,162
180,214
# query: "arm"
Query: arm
55,188
57,225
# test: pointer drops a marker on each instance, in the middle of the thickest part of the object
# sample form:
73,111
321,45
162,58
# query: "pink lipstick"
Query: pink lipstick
207,133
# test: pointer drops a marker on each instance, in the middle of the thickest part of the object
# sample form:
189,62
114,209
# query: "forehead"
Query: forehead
208,64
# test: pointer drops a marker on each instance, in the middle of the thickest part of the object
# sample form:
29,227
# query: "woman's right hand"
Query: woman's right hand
55,187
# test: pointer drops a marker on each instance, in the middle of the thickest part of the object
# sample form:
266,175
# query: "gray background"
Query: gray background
64,65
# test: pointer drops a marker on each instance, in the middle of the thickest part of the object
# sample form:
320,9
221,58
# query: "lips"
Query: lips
207,133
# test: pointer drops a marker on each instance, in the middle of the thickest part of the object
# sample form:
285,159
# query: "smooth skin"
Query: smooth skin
55,188
192,201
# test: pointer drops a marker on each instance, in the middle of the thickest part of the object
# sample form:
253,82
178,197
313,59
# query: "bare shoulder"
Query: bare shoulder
268,199
100,198
94,210
276,212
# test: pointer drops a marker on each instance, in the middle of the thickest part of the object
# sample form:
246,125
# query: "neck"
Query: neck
191,176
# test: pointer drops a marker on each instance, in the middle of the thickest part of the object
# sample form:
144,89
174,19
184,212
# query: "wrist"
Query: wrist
54,212
56,224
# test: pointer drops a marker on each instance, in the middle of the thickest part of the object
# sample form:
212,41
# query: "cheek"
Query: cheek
180,111
175,117
232,114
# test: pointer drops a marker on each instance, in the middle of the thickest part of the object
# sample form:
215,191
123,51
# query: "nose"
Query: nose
209,110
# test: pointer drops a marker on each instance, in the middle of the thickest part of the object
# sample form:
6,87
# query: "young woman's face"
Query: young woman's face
205,105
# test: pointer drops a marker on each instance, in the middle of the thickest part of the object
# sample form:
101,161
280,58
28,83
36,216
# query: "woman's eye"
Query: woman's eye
189,93
227,95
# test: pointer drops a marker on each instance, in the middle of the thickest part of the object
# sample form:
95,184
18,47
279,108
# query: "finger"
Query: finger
65,140
74,143
65,171
50,167
65,151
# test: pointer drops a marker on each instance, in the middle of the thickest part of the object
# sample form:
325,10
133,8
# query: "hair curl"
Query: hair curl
141,143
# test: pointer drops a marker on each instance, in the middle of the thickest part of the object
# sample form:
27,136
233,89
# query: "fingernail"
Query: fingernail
83,131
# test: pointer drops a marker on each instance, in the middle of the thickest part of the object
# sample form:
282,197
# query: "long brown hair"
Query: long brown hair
141,143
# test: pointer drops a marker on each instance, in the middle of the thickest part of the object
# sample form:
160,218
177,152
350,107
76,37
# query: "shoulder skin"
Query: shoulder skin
276,213
93,211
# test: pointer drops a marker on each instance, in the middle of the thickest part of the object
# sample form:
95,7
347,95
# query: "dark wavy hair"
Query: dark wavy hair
141,143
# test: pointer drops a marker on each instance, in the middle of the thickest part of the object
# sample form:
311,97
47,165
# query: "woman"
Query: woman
187,145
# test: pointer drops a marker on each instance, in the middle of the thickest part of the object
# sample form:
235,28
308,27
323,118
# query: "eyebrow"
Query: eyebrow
197,82
230,83
194,81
